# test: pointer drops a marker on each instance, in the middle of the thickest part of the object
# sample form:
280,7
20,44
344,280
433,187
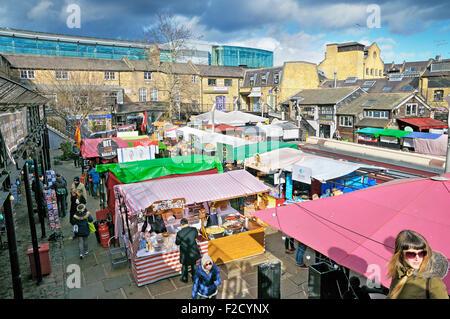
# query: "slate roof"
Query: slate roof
220,71
322,96
439,82
41,62
412,83
372,101
269,72
370,122
13,93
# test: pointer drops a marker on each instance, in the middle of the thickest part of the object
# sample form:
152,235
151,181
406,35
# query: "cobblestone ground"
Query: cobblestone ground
54,284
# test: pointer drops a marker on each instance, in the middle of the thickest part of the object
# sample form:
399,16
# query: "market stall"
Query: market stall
204,200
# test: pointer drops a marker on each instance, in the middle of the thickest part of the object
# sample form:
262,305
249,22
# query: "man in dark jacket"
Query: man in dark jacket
189,251
60,187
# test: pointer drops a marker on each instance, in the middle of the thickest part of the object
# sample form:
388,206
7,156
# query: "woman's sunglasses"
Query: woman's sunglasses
208,264
412,255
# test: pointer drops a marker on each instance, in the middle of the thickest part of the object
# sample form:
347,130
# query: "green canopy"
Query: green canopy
138,171
248,150
133,137
391,132
162,146
369,131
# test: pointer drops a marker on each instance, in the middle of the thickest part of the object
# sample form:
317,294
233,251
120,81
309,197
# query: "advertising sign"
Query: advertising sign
301,174
289,185
14,128
139,153
107,149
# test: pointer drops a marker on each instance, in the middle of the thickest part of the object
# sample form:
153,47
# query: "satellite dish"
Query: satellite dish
408,129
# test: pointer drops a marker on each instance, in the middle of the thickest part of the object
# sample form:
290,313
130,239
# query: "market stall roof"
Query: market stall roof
194,189
138,171
271,130
212,138
429,136
236,118
325,169
358,229
275,160
391,132
369,131
245,151
424,123
89,146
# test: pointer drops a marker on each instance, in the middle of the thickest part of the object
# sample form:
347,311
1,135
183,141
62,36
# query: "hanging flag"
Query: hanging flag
144,123
77,136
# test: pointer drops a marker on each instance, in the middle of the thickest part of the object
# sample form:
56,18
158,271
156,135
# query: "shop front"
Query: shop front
224,232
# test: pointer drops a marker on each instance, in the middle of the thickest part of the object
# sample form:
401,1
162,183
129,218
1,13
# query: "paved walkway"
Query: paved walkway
100,281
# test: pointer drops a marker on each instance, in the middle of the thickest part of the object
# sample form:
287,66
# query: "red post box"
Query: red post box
44,256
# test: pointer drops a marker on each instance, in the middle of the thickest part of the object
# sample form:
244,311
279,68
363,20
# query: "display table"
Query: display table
159,266
154,266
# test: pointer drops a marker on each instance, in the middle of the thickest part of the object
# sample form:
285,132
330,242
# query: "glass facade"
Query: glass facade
59,48
234,56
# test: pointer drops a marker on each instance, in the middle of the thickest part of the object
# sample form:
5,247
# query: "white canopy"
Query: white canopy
234,118
271,130
211,138
273,161
324,169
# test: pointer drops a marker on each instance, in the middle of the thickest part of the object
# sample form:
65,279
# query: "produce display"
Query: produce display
214,230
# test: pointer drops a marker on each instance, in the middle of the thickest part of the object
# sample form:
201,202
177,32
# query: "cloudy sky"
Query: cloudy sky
294,30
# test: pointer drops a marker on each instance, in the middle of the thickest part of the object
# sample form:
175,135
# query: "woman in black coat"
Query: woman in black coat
75,200
81,219
189,251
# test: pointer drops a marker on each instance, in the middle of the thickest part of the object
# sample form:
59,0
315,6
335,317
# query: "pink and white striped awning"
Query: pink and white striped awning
194,189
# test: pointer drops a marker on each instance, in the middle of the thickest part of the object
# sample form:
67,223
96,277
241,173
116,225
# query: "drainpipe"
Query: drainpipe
335,78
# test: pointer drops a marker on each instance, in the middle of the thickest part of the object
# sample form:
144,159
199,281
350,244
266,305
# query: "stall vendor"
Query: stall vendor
156,223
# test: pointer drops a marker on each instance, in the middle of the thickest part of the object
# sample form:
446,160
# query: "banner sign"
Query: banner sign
107,148
14,128
289,185
139,153
301,174
163,206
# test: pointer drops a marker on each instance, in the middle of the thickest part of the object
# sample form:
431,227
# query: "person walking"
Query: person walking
289,245
301,249
75,200
206,280
189,251
416,270
80,220
76,155
94,177
60,187
79,186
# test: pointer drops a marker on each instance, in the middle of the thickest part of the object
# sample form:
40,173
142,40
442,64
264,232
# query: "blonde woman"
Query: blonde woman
416,270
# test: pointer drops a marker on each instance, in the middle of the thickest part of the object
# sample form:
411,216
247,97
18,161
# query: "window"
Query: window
374,54
438,95
194,79
110,75
411,109
147,75
212,82
387,89
142,95
263,79
252,79
346,121
377,114
276,78
367,71
153,94
61,75
371,71
228,82
27,74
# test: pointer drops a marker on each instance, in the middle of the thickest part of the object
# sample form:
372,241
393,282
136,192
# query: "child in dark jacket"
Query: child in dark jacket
81,219
206,280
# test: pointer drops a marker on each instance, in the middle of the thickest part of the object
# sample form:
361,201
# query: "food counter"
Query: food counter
233,237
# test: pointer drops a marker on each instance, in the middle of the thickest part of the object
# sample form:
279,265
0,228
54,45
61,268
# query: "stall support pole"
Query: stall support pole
38,196
12,247
37,260
447,160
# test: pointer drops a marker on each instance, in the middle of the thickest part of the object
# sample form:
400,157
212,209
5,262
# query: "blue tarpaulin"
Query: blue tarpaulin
354,182
430,136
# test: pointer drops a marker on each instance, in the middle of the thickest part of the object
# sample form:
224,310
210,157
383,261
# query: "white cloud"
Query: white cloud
41,11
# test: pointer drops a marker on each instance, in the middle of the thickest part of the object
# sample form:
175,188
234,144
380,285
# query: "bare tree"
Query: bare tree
75,94
172,37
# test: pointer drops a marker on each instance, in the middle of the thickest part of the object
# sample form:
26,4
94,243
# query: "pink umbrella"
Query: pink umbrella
358,229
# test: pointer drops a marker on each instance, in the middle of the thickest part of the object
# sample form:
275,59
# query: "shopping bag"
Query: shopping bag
91,227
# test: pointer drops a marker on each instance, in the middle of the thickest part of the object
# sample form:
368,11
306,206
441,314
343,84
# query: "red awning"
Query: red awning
89,146
424,123
358,229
